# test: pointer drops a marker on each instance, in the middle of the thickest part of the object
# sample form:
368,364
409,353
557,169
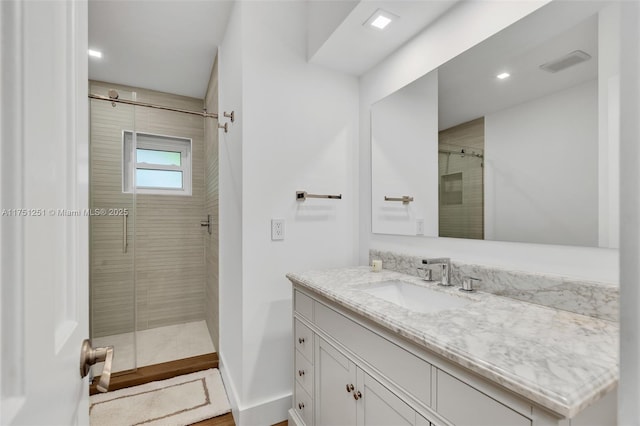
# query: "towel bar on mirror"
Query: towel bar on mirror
303,195
406,199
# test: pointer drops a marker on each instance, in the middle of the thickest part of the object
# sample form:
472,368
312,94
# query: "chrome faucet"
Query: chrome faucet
445,265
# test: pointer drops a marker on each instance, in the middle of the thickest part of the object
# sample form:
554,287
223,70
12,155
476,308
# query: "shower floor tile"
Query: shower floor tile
156,345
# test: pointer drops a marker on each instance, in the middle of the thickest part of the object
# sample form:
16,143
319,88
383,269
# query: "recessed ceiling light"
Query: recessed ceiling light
381,22
503,75
95,53
380,19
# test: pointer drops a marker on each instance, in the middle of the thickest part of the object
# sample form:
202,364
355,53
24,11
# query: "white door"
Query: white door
44,249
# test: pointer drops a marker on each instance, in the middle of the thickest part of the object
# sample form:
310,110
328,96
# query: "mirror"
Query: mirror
513,140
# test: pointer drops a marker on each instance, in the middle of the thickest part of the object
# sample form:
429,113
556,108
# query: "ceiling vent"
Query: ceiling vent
566,61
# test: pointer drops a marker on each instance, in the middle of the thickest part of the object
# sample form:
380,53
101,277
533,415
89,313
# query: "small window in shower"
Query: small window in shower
156,164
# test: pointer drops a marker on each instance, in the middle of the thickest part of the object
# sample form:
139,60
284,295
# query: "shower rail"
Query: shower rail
148,105
462,153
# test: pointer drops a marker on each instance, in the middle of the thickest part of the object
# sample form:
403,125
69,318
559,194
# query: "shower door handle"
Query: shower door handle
89,356
124,232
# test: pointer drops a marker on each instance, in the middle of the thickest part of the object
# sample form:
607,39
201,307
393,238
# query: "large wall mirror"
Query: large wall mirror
515,139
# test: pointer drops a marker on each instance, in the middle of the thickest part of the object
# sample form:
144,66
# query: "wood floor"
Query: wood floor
168,370
227,420
163,371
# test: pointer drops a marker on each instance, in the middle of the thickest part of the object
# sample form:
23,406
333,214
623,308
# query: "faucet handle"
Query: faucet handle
428,272
468,284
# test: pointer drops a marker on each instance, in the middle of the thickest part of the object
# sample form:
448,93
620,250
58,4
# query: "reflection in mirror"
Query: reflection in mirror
404,129
460,167
527,143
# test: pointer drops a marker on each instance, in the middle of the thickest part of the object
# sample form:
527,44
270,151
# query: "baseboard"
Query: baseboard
230,387
294,418
265,413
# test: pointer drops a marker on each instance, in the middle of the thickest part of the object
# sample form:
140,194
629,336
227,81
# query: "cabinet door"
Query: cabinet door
378,406
334,376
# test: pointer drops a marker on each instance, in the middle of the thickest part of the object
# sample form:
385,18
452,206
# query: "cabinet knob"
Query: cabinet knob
350,388
300,373
301,340
357,395
301,405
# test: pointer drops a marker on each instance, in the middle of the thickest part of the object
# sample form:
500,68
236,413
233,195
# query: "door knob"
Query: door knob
89,356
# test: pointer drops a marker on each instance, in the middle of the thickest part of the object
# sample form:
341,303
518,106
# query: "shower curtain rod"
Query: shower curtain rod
144,104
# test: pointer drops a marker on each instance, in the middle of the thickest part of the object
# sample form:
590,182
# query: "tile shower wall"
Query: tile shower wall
212,253
461,203
169,241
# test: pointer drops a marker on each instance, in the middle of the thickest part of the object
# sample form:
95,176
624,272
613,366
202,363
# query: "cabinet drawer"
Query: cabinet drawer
303,404
304,305
304,340
405,369
466,406
304,372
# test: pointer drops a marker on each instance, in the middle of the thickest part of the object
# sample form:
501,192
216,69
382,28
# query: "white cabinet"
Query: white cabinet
479,409
347,396
304,374
335,405
350,371
378,406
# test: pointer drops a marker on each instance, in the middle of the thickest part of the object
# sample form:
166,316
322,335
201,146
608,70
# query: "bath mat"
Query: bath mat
181,400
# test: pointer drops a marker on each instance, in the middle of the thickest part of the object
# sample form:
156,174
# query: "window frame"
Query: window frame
139,140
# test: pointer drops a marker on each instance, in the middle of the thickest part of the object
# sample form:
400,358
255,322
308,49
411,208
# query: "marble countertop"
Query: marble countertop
560,360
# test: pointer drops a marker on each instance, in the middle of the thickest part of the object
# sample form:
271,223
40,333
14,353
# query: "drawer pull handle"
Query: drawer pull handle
300,373
301,405
350,388
357,395
301,340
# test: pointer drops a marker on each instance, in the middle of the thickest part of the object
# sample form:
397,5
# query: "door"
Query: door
43,229
112,284
335,384
378,406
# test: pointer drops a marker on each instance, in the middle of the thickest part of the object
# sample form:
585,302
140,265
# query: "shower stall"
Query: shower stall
152,226
461,180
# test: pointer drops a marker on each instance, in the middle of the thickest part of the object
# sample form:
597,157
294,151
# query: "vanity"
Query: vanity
388,348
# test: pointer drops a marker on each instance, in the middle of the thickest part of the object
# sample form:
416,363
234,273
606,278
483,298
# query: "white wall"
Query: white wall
464,26
323,17
230,145
298,127
541,169
609,125
629,387
395,174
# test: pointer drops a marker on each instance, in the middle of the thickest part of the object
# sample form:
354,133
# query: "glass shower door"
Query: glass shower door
112,234
461,184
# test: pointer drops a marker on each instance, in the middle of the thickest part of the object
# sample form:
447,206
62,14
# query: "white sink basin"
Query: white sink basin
414,297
